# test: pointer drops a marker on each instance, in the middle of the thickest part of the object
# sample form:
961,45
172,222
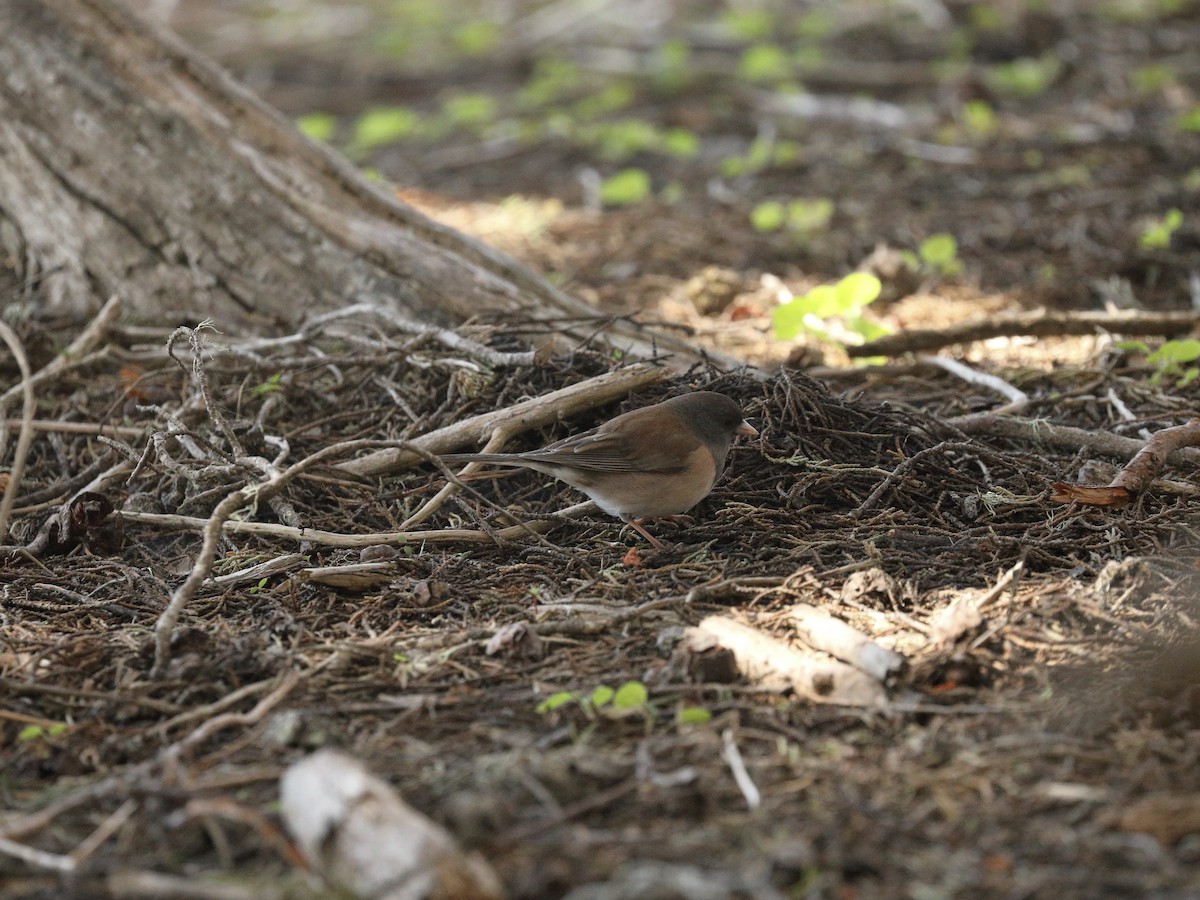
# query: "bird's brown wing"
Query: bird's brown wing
629,443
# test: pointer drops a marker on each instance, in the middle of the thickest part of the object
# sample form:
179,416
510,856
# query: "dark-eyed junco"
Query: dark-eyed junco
654,462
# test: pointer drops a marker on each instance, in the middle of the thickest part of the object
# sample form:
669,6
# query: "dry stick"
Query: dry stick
47,425
982,379
823,631
25,438
767,660
499,438
733,756
1063,437
532,413
1135,479
1038,323
371,539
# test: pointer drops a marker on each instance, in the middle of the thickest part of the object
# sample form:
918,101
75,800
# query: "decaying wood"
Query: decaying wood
773,663
825,632
135,166
1038,323
1135,479
363,838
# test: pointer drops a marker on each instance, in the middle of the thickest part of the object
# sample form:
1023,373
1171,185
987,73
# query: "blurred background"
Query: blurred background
702,162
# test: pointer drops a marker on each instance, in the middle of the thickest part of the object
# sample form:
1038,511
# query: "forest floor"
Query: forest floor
1042,738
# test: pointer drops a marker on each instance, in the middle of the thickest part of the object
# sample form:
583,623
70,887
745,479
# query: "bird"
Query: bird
655,462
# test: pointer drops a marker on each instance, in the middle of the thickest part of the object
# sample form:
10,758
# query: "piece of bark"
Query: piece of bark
773,663
362,838
825,632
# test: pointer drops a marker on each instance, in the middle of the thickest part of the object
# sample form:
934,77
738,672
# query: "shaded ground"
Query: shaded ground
1048,750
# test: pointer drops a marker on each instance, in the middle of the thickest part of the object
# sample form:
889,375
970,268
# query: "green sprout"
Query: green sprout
625,188
1157,234
843,301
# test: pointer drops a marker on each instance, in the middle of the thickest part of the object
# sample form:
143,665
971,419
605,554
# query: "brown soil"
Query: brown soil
1048,750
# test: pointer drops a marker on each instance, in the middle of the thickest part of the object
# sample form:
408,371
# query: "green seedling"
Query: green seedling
693,715
1170,360
1156,235
764,64
844,301
800,217
270,386
1024,79
384,125
319,126
631,698
38,732
625,188
1189,121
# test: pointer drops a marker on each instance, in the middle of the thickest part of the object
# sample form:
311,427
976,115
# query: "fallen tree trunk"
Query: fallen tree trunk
131,165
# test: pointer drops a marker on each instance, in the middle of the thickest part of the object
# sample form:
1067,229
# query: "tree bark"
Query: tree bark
131,165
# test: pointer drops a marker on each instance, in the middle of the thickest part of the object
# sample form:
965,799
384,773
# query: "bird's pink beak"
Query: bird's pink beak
747,429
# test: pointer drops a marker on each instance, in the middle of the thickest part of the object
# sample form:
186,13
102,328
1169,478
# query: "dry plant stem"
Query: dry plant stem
499,438
142,883
47,426
1038,323
533,413
336,539
25,438
897,473
71,862
1062,437
1142,469
981,379
275,566
733,756
227,720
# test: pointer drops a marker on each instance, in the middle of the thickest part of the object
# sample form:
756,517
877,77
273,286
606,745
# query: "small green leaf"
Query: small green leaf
554,701
764,63
470,109
1132,346
1157,235
625,188
1190,120
858,289
680,143
383,125
808,216
1189,375
477,37
768,216
1175,352
938,249
318,126
30,733
631,695
693,715
601,695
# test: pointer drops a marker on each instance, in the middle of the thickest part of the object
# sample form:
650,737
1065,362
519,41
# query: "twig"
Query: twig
904,467
25,438
1062,437
733,756
1135,479
533,413
337,539
1038,323
982,379
51,426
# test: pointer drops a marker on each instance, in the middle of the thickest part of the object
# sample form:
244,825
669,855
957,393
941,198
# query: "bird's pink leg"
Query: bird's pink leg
636,525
